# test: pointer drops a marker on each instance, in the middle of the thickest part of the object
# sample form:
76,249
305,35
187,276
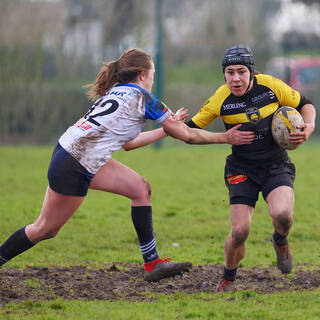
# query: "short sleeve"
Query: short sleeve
155,109
286,95
210,110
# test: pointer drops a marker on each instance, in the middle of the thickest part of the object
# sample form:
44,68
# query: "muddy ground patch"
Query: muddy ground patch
125,281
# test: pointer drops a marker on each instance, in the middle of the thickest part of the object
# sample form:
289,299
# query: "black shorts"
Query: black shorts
66,175
245,182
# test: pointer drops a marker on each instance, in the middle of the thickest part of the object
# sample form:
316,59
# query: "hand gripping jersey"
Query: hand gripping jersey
114,119
254,110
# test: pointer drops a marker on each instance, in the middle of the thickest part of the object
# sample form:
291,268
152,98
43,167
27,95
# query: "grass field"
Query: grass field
190,208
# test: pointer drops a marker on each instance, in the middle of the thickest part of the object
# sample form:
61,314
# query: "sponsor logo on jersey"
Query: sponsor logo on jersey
237,178
268,95
119,94
271,95
253,115
260,97
230,106
132,93
116,93
83,124
262,133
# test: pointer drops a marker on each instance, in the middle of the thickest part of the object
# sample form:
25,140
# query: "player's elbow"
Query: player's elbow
128,146
191,136
181,132
182,135
190,140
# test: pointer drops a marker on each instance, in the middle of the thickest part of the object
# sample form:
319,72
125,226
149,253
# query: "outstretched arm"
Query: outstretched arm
149,137
181,131
144,139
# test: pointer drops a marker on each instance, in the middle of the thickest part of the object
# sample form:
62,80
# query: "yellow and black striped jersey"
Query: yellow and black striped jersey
254,110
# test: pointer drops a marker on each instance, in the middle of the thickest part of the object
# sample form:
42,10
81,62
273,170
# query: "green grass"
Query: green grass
241,305
190,207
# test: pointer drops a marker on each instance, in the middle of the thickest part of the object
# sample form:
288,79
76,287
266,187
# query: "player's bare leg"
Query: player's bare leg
56,210
280,203
117,178
234,246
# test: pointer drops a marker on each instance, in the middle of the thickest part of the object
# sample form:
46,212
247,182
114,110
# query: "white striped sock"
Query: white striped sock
148,247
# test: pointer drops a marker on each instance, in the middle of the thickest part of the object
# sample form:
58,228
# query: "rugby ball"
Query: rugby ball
285,120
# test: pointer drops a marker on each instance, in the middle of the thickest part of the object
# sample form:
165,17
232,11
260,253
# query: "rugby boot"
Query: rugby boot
225,286
284,257
163,268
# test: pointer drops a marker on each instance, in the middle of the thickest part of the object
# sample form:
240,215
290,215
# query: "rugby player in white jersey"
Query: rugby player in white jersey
82,158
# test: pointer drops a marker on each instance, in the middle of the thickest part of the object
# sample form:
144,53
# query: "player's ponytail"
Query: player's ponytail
124,70
106,79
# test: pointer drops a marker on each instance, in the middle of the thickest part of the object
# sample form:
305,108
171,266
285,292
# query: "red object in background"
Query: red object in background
301,73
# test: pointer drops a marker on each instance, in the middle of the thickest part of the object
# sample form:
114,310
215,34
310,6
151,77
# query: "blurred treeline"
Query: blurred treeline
50,49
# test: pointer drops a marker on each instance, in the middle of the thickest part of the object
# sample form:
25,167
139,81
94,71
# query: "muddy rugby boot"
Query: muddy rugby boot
163,268
284,257
225,286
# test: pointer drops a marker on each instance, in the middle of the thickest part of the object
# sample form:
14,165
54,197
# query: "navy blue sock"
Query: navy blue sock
279,239
142,221
17,243
229,274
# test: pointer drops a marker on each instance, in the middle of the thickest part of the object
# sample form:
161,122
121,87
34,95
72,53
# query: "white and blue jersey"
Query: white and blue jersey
114,119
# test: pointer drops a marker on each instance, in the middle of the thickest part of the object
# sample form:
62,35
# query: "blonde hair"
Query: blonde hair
124,70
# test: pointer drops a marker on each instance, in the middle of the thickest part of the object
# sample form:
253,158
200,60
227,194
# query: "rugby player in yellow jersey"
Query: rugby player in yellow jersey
251,99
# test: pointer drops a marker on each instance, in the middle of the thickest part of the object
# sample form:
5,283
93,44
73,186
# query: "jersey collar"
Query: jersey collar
132,85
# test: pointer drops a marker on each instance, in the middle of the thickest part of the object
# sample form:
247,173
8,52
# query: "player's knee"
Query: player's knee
239,236
144,191
285,219
51,233
148,189
44,232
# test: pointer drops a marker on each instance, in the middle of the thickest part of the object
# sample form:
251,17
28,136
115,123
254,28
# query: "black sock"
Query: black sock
142,221
16,244
229,274
279,239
